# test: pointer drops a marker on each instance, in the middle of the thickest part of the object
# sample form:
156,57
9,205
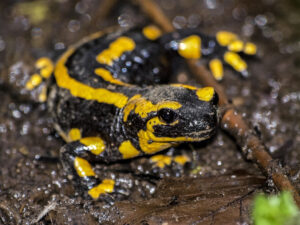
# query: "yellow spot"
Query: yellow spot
235,61
81,90
107,76
205,94
45,65
152,32
184,86
216,68
74,134
34,81
190,47
161,160
128,150
115,50
83,167
43,94
95,144
107,186
142,106
236,46
224,38
181,159
250,48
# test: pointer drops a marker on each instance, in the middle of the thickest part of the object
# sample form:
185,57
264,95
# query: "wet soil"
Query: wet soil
217,186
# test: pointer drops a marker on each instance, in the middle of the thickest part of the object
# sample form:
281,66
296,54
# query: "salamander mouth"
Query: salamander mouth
201,135
188,137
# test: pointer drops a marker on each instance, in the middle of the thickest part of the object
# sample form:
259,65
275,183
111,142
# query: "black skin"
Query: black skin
146,67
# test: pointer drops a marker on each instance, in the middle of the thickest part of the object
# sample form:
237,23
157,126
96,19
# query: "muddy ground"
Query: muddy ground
217,186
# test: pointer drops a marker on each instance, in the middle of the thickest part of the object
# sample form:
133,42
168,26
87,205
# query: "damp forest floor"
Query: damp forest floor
217,186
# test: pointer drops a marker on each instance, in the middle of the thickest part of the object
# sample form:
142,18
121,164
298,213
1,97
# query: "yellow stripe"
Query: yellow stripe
184,86
150,144
107,186
95,144
150,147
115,50
81,90
107,76
83,167
128,150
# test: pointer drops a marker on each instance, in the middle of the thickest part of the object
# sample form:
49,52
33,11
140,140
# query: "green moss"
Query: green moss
274,210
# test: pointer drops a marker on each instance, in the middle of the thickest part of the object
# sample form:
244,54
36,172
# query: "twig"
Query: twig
51,206
231,122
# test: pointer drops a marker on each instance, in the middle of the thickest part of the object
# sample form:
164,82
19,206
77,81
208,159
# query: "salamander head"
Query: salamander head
170,114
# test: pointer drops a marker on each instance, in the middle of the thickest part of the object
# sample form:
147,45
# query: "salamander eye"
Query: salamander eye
167,115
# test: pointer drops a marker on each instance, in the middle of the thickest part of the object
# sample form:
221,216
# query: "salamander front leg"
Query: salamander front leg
75,160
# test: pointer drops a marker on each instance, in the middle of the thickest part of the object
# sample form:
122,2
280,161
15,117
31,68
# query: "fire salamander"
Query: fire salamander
110,100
